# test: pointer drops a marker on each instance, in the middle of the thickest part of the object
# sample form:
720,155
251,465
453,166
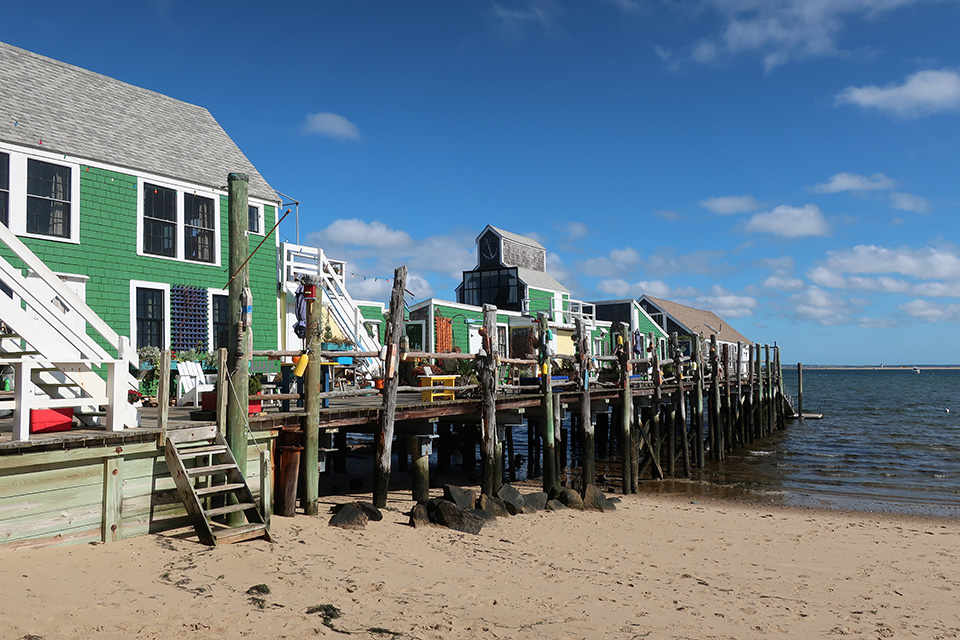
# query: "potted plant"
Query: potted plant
337,343
208,402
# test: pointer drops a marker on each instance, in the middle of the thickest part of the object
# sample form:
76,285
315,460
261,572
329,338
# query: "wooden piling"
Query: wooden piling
381,480
239,345
725,405
420,467
626,408
163,395
716,431
698,402
655,422
550,482
681,425
589,454
310,457
800,390
558,439
748,399
490,483
769,391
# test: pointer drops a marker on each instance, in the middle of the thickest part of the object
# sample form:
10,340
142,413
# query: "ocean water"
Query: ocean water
889,440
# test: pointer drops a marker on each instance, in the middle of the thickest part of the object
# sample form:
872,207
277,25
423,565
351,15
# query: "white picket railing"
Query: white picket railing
47,316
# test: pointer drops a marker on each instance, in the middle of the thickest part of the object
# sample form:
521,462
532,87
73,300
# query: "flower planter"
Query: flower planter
333,346
208,402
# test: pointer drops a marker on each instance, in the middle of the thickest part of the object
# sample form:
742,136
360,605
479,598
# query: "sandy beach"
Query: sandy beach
661,566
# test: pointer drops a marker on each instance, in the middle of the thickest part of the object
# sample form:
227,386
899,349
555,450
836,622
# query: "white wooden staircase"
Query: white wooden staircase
300,260
62,353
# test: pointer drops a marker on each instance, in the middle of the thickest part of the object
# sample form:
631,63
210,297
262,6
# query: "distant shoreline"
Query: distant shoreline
902,367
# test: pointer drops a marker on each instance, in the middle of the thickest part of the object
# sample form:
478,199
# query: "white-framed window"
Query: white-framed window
39,195
219,319
178,222
149,314
256,221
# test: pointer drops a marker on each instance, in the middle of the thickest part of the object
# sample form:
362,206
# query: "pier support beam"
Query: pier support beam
381,476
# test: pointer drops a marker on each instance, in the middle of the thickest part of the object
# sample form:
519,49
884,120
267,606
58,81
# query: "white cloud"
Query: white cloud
910,202
620,288
816,305
331,125
790,222
854,182
921,94
667,262
576,230
618,261
780,283
782,30
725,205
932,312
928,262
357,233
782,265
726,304
662,53
557,269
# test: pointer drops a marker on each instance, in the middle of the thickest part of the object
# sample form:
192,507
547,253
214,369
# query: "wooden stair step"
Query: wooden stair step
17,354
218,489
230,508
210,470
9,336
196,452
241,533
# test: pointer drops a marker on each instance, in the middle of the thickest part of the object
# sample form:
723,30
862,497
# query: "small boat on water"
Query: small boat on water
916,369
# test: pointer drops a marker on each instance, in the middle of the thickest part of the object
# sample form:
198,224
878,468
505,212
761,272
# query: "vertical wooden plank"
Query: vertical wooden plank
163,394
769,390
223,385
266,485
716,430
112,498
726,406
682,408
23,395
381,480
626,406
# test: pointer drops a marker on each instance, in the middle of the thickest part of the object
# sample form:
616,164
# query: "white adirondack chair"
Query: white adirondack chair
191,382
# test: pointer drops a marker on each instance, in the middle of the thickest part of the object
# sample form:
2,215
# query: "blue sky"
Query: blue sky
788,164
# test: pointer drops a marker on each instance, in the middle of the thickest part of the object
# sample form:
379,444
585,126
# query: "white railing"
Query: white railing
562,311
52,319
299,260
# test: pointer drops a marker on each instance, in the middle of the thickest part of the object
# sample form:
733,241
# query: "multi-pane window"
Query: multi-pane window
198,231
5,189
48,199
159,221
499,287
253,213
220,314
150,316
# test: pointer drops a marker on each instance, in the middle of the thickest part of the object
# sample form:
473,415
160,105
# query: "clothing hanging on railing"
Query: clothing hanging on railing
637,343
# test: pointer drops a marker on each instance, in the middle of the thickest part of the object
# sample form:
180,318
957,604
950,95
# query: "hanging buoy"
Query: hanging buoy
301,365
545,369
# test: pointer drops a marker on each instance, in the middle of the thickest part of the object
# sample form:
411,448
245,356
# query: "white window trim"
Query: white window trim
180,188
263,223
140,284
210,294
18,192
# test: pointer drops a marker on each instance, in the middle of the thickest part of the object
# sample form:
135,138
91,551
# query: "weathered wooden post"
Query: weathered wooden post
163,395
488,384
655,425
550,482
716,431
223,390
738,401
626,408
800,390
769,390
751,425
310,457
758,395
725,403
420,452
698,401
381,476
558,439
586,420
681,407
241,312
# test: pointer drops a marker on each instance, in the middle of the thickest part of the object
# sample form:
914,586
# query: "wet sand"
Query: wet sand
661,566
